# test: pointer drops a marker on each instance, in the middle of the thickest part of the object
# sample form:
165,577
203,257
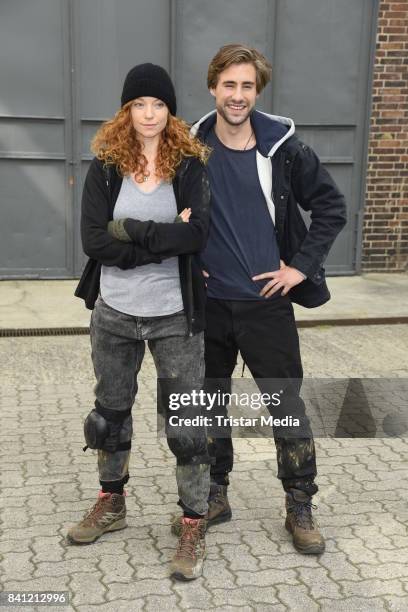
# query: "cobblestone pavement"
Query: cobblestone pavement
47,483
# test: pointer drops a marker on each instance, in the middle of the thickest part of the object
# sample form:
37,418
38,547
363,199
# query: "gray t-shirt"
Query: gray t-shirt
152,290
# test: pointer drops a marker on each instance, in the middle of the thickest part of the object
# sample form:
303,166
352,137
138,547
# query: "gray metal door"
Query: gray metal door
62,69
35,142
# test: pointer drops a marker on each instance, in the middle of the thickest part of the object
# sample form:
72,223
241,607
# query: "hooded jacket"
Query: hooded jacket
291,175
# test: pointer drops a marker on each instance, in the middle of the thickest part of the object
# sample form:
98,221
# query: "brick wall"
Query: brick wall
385,227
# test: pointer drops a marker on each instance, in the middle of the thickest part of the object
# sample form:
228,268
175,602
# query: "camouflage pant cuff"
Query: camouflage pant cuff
306,484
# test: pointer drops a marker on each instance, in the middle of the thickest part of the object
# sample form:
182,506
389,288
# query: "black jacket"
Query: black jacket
290,173
152,242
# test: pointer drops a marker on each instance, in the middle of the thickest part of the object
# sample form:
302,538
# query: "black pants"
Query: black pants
265,334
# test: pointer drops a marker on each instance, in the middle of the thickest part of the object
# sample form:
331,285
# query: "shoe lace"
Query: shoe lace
217,499
95,512
303,514
188,540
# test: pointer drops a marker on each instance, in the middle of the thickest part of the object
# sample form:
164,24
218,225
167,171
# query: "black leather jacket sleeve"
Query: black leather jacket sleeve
97,243
171,239
316,191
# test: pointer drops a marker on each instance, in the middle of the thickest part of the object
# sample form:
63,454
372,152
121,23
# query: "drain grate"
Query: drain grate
82,331
44,331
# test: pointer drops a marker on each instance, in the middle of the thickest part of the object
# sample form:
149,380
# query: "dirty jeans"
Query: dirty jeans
265,333
118,347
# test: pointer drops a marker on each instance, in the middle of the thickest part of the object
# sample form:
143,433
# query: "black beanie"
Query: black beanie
149,80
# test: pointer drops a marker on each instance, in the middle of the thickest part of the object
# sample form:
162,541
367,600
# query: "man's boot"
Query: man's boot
299,522
108,514
187,563
219,510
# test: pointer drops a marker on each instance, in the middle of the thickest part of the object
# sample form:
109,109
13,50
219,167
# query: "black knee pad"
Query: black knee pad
189,444
102,429
188,450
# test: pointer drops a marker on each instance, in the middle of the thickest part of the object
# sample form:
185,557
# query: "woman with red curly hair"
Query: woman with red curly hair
145,217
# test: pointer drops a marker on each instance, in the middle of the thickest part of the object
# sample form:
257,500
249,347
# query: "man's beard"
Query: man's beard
221,111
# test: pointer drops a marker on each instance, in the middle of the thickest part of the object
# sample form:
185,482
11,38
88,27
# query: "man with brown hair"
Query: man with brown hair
259,258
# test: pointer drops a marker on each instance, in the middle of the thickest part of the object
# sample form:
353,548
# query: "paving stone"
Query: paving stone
116,567
339,565
123,604
266,577
47,549
383,485
244,608
193,594
135,590
15,546
374,586
254,523
252,596
218,575
157,571
46,583
331,545
145,551
153,603
389,556
216,536
240,557
87,589
319,583
353,604
390,526
103,546
296,598
8,500
17,565
385,571
287,561
260,545
11,478
343,520
52,520
372,537
15,517
62,568
396,604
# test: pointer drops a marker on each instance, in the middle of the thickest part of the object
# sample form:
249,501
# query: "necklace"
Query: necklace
247,143
143,178
250,136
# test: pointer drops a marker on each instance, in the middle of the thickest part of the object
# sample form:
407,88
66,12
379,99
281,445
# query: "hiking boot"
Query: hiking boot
108,514
219,510
187,563
300,523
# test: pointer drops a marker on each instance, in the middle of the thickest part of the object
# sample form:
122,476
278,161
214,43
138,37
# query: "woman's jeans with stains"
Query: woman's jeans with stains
264,331
118,347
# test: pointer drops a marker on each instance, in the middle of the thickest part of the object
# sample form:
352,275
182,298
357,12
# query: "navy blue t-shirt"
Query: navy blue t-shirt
242,240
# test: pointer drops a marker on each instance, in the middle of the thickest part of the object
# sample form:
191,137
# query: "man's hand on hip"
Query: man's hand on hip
284,279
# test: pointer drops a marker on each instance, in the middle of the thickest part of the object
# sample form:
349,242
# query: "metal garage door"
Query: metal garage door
63,64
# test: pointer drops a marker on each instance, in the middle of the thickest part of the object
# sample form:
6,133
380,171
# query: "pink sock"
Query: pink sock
189,520
102,494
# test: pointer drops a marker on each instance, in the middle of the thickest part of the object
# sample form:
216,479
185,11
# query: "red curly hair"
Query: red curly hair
116,143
